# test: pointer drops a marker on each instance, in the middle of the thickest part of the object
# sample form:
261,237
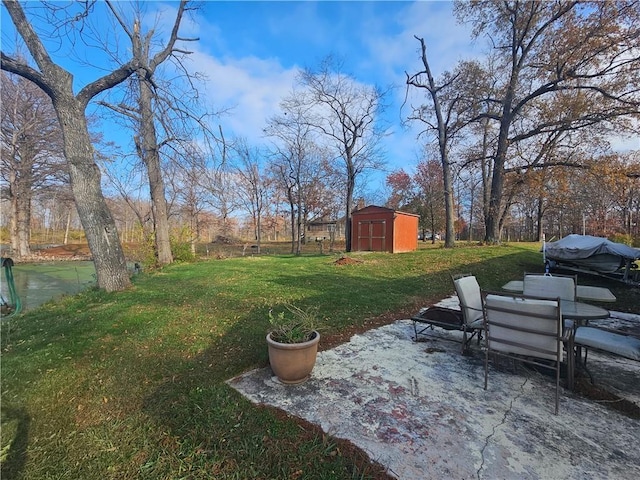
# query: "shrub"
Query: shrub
182,251
622,238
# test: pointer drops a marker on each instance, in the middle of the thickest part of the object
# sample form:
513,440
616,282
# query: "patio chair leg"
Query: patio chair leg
577,362
557,388
486,368
586,350
588,373
421,332
571,363
571,368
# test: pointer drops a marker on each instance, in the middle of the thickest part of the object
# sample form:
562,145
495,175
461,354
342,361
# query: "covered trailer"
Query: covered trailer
594,255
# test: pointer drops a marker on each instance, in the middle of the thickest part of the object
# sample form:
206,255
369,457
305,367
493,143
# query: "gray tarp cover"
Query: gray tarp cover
574,247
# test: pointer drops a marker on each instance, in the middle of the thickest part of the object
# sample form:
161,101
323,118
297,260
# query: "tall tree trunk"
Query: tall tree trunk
448,200
96,219
13,224
472,203
299,220
21,218
23,222
259,229
493,217
351,180
151,159
57,83
68,226
20,200
539,217
292,216
443,128
299,231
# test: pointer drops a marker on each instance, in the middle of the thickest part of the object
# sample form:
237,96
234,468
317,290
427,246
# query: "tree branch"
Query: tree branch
12,65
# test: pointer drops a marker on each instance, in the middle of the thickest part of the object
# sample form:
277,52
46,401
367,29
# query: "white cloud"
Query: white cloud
447,41
250,87
378,44
253,87
392,48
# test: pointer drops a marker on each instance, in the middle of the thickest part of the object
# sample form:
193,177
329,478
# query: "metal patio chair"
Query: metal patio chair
525,329
468,319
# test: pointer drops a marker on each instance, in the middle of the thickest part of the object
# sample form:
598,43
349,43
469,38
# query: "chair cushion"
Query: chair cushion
511,313
615,343
468,291
545,286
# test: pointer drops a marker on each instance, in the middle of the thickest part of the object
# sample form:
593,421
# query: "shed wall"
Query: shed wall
381,229
405,236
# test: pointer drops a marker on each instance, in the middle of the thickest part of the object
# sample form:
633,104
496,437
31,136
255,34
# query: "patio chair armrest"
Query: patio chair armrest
568,333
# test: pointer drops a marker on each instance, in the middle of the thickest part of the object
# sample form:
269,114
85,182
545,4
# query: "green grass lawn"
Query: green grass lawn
132,384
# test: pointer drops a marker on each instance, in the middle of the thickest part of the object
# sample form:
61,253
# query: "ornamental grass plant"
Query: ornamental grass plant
297,326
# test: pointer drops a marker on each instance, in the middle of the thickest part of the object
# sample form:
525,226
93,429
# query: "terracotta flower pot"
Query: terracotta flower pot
292,362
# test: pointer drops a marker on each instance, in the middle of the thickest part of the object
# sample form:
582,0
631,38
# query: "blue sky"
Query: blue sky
251,51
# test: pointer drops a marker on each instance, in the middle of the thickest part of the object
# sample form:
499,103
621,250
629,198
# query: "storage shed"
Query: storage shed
380,229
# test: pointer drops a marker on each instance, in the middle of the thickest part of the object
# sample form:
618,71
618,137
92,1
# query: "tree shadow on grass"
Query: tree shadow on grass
14,454
202,411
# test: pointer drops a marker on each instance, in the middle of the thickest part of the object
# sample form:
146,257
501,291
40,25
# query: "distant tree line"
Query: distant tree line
599,197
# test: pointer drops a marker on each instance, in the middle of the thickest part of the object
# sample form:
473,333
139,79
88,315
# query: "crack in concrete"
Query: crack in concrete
495,427
414,387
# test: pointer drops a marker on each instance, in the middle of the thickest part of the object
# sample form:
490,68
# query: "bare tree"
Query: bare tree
219,182
295,164
188,199
451,113
129,185
346,113
430,198
32,153
581,54
216,176
155,109
475,169
57,83
254,186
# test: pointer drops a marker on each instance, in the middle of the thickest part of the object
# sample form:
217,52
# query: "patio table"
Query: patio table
583,292
581,313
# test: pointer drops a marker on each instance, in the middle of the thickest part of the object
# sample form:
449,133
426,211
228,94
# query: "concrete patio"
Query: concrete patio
419,408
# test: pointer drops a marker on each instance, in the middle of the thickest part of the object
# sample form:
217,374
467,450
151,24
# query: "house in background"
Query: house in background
325,230
381,229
